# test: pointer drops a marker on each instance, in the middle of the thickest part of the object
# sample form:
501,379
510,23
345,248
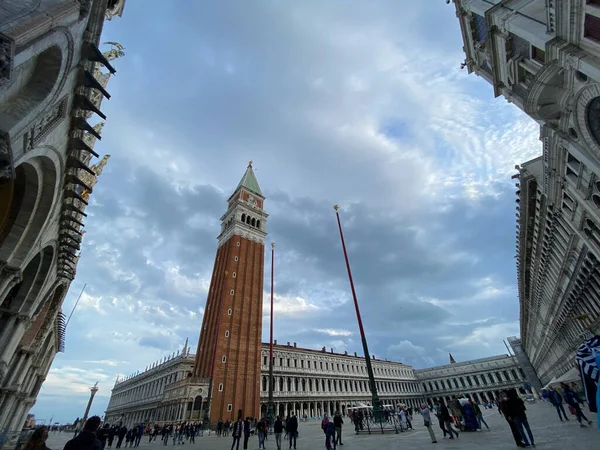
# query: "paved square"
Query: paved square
549,433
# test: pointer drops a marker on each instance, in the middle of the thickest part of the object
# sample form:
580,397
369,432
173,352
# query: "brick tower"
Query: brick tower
230,339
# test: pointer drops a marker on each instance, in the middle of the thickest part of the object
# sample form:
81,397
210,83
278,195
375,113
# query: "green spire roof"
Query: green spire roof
249,181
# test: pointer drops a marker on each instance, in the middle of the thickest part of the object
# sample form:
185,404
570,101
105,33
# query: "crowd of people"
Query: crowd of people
455,416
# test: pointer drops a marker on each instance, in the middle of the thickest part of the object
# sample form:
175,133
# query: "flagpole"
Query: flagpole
375,396
271,406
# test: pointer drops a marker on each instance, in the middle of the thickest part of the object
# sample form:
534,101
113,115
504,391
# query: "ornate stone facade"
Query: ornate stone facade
480,379
315,382
544,56
49,63
311,382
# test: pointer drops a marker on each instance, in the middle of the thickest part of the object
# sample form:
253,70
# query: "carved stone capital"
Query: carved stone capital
26,320
6,160
13,272
7,54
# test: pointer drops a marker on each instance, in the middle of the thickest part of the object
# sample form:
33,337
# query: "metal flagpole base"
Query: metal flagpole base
377,421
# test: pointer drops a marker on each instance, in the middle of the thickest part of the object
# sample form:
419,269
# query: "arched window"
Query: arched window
258,224
253,222
264,383
248,220
243,217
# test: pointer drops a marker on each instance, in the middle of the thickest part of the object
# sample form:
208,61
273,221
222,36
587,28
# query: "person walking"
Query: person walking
246,432
445,413
427,422
338,421
278,430
292,429
260,431
557,400
121,433
238,429
515,410
330,435
573,400
478,415
441,420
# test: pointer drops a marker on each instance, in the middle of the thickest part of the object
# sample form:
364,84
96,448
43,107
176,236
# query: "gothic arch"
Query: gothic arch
39,177
34,298
16,296
45,63
42,73
11,198
23,295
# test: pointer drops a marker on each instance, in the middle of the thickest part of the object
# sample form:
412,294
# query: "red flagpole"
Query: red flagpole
272,281
271,405
375,396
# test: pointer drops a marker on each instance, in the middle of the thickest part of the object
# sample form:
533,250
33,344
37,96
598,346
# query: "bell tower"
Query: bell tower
230,339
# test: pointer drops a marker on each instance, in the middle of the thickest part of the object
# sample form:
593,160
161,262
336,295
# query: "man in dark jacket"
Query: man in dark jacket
338,422
238,428
122,433
278,429
292,429
87,439
246,432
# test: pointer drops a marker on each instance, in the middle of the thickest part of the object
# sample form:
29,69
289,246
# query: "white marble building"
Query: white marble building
52,81
544,56
311,382
143,397
314,382
482,380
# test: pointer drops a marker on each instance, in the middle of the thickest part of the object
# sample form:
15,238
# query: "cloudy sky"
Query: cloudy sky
363,106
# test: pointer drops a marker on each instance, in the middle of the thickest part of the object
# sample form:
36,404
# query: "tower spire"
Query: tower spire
249,181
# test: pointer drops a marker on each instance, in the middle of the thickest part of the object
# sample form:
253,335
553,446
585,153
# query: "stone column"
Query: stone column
5,411
14,337
18,420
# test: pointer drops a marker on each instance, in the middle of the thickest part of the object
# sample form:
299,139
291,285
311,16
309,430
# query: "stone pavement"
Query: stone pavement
548,431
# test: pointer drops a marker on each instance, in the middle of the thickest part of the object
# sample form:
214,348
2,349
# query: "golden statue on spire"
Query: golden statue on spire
250,163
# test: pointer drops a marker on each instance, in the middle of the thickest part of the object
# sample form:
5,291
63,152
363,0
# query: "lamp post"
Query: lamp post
373,387
271,406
